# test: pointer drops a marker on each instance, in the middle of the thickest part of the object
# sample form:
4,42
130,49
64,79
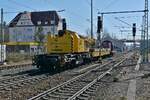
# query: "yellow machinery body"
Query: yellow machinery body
102,52
69,42
67,50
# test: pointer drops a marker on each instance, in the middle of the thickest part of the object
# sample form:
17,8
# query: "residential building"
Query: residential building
24,26
6,33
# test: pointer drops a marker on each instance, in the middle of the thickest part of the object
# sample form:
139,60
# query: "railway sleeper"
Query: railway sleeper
85,81
89,92
6,82
58,97
44,98
14,87
78,85
72,88
66,91
24,83
64,94
2,88
2,84
19,85
75,85
93,87
7,89
32,82
75,88
69,89
96,84
81,98
84,95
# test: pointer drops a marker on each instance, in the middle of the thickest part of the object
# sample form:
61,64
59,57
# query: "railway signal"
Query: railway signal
134,34
99,24
134,29
99,30
64,24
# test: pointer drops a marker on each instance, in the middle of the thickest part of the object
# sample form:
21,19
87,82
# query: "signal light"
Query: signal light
134,29
64,26
99,24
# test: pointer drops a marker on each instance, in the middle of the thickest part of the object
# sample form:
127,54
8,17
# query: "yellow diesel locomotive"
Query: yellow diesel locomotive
68,50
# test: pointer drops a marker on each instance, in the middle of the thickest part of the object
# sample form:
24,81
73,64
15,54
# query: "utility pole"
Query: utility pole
1,24
99,30
2,36
134,33
146,29
143,49
91,19
54,22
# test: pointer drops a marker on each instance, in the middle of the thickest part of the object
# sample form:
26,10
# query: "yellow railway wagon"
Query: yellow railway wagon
68,42
98,53
67,50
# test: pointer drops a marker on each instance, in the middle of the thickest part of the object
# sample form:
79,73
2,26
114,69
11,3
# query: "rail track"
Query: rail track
13,82
20,81
79,87
6,67
12,70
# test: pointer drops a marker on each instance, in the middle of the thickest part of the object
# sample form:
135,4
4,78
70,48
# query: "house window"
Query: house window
14,30
39,22
46,22
29,29
45,29
52,22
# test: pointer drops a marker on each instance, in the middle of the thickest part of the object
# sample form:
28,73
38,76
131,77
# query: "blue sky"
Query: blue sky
77,12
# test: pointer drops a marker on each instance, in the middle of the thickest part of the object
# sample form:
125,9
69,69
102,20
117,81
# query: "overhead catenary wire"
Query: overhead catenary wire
89,3
79,16
122,21
22,5
74,14
26,6
127,17
8,7
110,4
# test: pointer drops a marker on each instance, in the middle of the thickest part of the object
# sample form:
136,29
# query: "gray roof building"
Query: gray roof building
45,17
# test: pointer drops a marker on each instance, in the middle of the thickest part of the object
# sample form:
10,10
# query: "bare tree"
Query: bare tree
88,32
105,34
39,37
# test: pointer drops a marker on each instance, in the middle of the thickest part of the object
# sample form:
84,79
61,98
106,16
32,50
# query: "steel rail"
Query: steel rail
94,81
63,84
67,82
4,67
